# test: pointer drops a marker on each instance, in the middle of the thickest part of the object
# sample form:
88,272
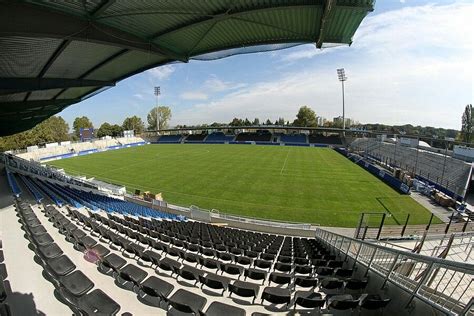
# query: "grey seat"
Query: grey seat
186,302
98,303
219,309
155,288
76,283
244,289
60,266
276,295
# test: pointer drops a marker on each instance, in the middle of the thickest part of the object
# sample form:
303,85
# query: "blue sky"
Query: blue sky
410,62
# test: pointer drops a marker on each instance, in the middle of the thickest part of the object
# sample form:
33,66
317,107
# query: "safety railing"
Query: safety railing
446,285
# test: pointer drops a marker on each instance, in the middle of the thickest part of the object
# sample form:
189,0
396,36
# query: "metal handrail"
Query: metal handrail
444,284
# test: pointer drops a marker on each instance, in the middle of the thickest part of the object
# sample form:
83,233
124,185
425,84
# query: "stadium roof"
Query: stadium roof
54,54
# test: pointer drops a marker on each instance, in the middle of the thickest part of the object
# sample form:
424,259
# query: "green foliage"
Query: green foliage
81,122
313,185
467,124
306,117
133,123
162,113
237,122
109,130
54,129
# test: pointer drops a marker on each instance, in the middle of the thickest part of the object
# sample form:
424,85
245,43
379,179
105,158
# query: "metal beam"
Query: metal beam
104,5
231,14
38,103
328,7
29,20
16,85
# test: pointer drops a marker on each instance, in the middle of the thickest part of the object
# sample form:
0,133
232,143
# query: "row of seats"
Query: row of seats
195,138
237,287
320,139
170,139
219,137
34,191
94,201
72,286
293,138
4,307
13,184
262,136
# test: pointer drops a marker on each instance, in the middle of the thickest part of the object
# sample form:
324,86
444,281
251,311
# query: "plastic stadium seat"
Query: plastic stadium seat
283,267
280,278
169,265
309,299
303,269
98,303
343,273
255,274
186,302
188,273
262,264
155,288
76,283
306,281
130,276
219,309
331,285
112,263
342,302
276,295
60,266
355,285
214,281
373,302
209,263
232,269
244,289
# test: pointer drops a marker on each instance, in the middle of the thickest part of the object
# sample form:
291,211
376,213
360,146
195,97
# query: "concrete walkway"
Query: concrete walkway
439,211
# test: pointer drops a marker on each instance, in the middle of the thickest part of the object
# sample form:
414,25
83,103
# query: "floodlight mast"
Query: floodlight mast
157,93
341,74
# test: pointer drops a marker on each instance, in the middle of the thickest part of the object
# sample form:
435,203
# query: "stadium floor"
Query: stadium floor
301,184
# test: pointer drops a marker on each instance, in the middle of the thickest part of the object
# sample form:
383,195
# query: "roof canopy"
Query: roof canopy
54,54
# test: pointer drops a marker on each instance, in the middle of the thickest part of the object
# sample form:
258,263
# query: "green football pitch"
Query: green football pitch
300,184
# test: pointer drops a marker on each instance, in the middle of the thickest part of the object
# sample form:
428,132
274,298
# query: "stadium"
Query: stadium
223,219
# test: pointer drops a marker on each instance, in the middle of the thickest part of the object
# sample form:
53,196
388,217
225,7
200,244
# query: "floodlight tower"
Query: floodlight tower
341,74
157,93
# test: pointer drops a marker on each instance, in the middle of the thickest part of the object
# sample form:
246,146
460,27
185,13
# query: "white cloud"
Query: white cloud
193,95
215,84
161,72
139,96
411,65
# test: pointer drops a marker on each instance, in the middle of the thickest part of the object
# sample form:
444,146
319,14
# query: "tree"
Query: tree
107,129
268,122
306,117
162,113
467,124
247,122
54,129
134,123
81,122
116,130
236,122
104,130
256,122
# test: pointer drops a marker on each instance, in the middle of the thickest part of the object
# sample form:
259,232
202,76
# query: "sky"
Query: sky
410,62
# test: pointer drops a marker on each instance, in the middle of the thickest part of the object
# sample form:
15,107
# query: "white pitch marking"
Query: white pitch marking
284,164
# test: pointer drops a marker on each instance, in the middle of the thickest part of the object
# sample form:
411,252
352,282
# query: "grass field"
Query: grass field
302,184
